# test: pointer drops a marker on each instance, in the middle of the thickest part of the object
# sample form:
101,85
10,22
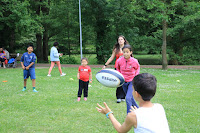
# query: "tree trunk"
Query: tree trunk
164,46
39,51
68,34
45,11
12,40
45,44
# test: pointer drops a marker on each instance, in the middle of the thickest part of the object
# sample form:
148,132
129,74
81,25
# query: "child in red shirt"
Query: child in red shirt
85,77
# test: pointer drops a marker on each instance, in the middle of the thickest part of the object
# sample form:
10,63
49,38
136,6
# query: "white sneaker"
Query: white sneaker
49,75
63,74
123,100
119,100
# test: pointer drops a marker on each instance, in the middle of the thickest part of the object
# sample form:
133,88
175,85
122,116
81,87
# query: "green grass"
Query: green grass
55,109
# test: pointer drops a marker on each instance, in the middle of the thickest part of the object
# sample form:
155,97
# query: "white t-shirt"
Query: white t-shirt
151,120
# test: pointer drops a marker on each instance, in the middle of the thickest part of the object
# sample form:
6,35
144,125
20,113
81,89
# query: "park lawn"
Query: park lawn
55,109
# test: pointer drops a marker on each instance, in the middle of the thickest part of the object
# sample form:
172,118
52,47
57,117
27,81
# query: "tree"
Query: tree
15,21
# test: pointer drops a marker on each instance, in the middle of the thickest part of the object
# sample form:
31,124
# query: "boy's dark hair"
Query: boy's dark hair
30,46
84,58
145,85
55,44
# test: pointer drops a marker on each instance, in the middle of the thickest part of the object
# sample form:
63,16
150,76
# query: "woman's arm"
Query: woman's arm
110,59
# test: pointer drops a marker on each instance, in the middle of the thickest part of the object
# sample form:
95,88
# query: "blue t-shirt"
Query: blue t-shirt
28,59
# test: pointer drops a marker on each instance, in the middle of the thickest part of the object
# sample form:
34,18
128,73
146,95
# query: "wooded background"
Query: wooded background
145,24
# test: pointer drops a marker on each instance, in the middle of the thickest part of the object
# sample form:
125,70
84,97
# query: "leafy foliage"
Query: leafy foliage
42,22
68,60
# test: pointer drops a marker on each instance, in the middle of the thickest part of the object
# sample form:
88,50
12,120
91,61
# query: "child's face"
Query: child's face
30,49
84,62
121,41
127,53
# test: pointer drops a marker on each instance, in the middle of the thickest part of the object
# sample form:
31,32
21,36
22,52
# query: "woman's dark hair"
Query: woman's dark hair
129,47
55,44
145,84
117,46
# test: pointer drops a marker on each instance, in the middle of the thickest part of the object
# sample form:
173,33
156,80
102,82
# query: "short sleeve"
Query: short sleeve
89,69
34,58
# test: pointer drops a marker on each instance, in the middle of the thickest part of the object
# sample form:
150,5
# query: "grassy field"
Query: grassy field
55,109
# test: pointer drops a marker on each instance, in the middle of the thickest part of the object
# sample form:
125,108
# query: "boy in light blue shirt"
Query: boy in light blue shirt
28,65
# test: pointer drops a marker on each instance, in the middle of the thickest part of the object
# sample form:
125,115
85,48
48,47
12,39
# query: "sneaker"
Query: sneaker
119,100
85,98
79,98
23,89
123,100
49,75
63,74
35,90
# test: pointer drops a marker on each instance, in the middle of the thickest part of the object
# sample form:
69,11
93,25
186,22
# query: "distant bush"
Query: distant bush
68,60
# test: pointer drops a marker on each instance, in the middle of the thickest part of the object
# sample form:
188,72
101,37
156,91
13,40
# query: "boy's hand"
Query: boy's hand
27,68
90,81
102,109
23,68
133,108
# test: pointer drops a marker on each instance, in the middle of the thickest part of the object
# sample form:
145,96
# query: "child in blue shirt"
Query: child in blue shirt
28,65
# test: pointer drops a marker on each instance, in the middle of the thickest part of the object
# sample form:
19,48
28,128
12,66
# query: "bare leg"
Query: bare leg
59,67
51,67
33,82
25,82
4,65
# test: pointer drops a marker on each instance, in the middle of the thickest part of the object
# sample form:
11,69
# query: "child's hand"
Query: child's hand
133,108
90,81
27,68
23,67
102,109
103,67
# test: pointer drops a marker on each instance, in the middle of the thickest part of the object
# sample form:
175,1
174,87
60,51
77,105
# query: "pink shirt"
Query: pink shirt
128,68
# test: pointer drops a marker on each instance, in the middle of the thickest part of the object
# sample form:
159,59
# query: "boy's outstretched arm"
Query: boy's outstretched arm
126,126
